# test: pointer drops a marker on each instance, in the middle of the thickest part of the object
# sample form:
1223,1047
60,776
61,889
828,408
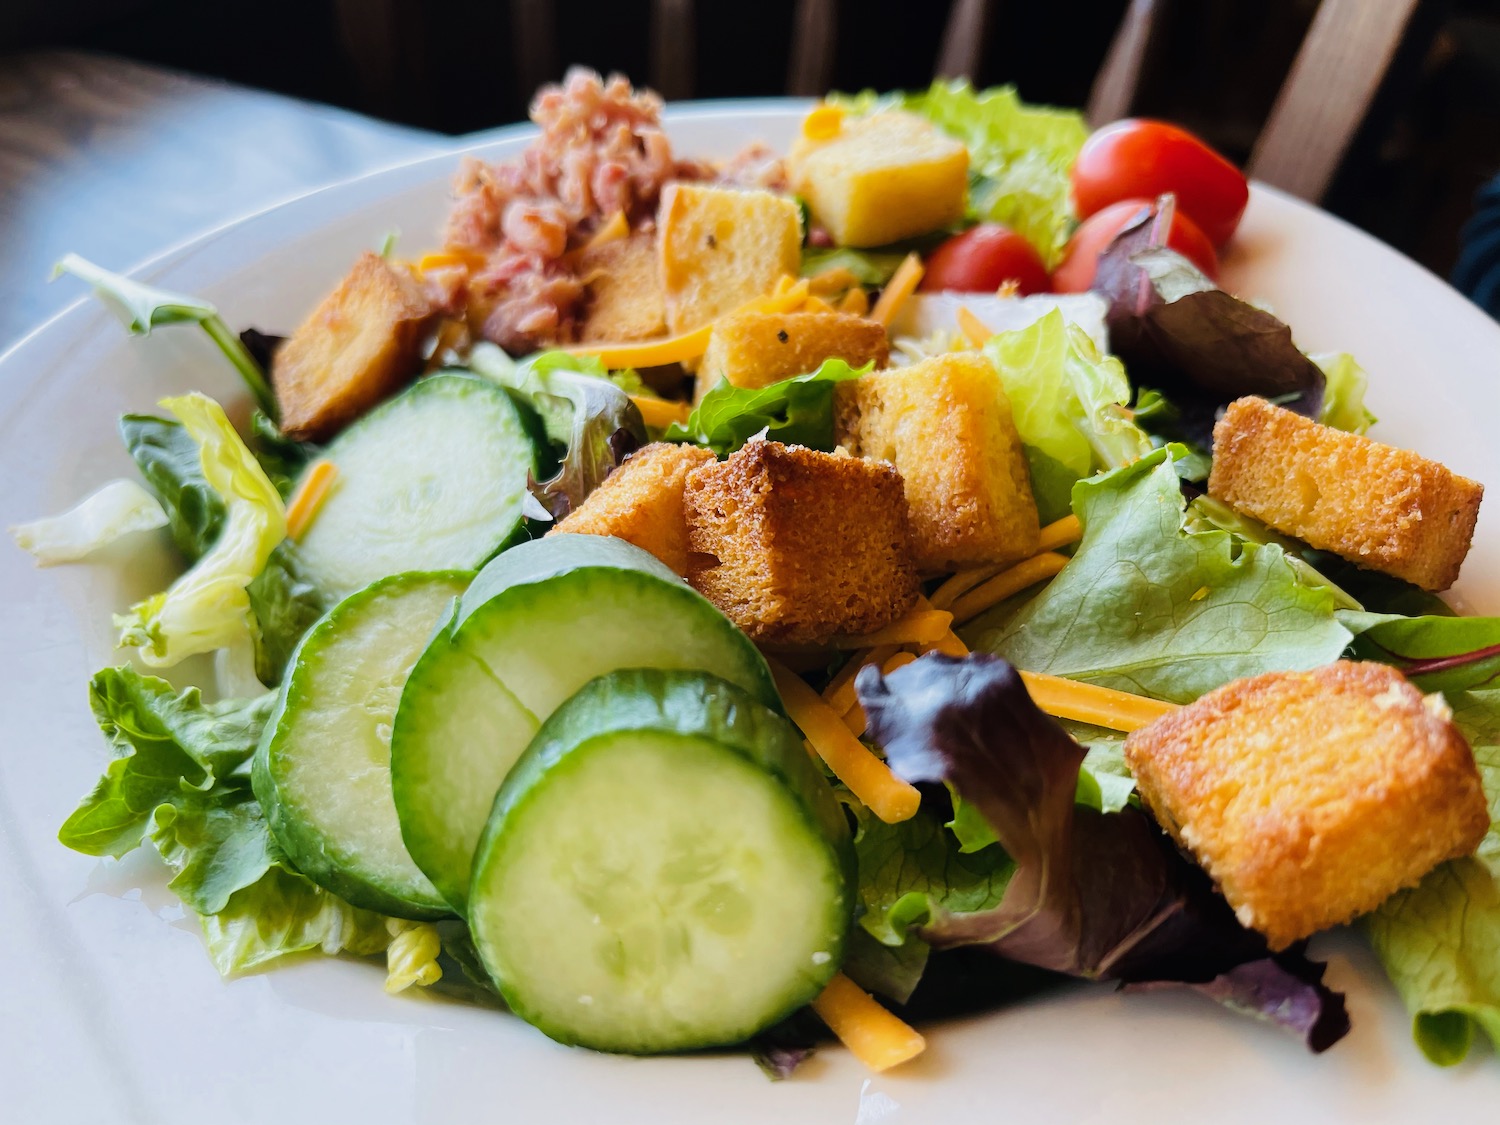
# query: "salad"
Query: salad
716,604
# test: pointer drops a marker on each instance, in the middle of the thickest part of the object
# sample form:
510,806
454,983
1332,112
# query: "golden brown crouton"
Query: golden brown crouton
794,545
755,349
1312,796
1380,507
721,247
641,502
882,178
946,425
624,290
356,348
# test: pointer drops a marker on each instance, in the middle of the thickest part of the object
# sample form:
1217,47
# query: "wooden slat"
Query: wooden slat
674,48
533,25
1325,98
1119,78
809,71
963,39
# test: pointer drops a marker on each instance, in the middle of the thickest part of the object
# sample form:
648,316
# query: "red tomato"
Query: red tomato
982,259
1081,258
1137,159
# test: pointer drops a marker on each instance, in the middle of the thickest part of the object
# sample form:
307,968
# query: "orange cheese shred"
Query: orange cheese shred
856,302
902,285
659,413
839,694
1060,533
649,353
922,624
867,777
1006,583
309,498
977,332
1089,703
873,1035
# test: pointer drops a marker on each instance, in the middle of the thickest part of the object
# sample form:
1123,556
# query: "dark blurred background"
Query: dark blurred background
1431,137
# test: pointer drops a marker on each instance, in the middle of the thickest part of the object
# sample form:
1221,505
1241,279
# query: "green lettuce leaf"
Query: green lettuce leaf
798,411
169,459
285,604
282,458
1149,607
1069,405
586,415
207,608
170,748
140,308
1344,393
253,904
1437,653
870,267
119,508
1440,941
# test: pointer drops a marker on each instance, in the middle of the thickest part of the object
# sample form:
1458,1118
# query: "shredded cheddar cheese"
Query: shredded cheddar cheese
659,413
1060,533
1006,583
824,123
873,1035
839,693
1089,703
867,777
310,497
649,353
977,332
921,625
902,285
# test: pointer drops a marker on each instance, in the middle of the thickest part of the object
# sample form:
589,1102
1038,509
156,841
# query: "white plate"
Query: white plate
110,1011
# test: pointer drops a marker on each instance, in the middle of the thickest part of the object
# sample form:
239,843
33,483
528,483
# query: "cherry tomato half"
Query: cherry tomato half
1081,258
982,259
1138,159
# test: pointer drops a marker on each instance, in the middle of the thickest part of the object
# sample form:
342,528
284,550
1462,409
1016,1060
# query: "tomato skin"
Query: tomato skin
982,259
1141,159
1075,273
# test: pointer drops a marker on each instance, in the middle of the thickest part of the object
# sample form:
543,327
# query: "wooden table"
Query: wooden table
119,161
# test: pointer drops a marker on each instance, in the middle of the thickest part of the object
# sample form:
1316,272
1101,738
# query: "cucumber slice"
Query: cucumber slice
665,869
432,480
537,624
322,769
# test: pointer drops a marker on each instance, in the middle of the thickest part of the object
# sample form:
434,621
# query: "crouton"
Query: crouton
946,425
624,290
641,502
794,545
755,349
721,247
359,346
882,178
1312,796
1380,507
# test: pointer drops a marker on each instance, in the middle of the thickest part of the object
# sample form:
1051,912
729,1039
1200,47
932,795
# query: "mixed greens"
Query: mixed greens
430,715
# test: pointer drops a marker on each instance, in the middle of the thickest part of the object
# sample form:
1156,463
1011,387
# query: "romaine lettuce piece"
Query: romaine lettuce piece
172,465
1069,404
1440,941
798,411
1344,393
120,508
1149,607
140,308
207,608
284,603
170,748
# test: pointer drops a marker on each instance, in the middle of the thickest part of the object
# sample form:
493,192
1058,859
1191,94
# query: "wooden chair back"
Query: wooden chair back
1322,103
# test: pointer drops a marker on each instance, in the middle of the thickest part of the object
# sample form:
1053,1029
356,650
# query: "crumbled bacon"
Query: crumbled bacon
601,150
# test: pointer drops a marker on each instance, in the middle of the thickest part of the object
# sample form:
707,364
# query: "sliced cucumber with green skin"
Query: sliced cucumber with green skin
434,479
665,869
322,769
537,624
